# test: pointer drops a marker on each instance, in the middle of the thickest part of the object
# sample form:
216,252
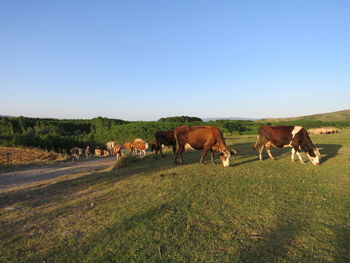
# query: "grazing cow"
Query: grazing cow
75,153
110,146
140,145
164,138
118,151
129,145
199,138
287,136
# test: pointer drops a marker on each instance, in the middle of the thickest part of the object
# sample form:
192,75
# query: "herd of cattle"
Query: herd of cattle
210,139
326,130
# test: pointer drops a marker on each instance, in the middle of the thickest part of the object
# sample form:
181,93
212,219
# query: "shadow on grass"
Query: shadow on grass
55,192
244,150
329,150
342,232
132,247
273,246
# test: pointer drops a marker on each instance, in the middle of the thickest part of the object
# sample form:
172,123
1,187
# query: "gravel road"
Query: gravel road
32,174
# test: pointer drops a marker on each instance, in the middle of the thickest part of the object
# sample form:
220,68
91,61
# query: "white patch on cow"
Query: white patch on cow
296,130
188,147
314,160
226,162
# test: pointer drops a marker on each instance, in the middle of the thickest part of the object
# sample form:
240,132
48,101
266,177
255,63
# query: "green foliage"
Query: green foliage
180,119
65,134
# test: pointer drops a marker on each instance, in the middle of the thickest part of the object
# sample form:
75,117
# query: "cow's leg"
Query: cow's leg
269,152
179,151
174,149
207,147
260,152
212,156
181,157
293,153
300,158
203,155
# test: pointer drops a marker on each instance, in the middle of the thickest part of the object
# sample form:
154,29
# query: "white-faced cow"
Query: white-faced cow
207,138
118,151
163,138
75,153
287,136
110,146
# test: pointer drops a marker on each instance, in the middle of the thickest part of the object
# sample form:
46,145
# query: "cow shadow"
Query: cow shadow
328,151
244,151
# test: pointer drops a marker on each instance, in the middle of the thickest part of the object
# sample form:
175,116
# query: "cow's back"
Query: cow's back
198,136
277,135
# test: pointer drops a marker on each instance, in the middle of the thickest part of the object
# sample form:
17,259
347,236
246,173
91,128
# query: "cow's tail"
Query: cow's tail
257,141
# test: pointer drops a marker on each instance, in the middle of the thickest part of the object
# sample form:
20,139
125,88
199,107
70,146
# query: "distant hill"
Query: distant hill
343,115
228,118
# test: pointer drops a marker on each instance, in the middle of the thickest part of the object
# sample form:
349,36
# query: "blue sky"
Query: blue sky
143,60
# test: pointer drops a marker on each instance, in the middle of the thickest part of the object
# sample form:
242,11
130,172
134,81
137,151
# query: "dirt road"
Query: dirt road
39,173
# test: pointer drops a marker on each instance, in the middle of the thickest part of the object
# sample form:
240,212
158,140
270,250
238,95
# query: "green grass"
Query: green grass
152,211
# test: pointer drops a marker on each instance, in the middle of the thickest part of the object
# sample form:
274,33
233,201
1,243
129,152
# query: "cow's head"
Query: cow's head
225,157
314,156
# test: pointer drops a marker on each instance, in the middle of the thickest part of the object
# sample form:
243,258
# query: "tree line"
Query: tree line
59,135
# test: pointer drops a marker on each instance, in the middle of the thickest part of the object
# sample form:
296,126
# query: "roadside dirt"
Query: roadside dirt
22,176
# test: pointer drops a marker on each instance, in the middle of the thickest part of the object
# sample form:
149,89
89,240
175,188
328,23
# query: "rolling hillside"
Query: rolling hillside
343,115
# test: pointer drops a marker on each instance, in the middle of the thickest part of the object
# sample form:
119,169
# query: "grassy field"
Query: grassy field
152,211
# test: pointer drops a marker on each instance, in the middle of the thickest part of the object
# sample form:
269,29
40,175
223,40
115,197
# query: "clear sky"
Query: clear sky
143,60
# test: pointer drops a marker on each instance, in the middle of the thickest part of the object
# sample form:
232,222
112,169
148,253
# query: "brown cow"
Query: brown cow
155,147
129,145
118,151
287,136
140,145
199,138
164,138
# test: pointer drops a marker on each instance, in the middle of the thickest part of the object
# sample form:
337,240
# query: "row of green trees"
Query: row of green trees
64,134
